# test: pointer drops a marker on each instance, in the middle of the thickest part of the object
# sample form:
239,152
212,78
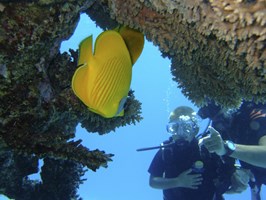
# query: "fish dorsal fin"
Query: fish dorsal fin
80,75
85,51
78,83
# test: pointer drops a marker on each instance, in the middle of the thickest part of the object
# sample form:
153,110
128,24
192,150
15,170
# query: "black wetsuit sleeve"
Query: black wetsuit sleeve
157,165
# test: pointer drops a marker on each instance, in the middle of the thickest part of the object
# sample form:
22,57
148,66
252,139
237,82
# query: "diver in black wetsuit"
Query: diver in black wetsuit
183,170
240,135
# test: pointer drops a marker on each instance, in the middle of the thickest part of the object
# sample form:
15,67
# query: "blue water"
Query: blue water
127,176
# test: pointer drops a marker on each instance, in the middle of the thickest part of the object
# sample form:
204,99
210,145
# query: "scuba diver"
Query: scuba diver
241,135
182,169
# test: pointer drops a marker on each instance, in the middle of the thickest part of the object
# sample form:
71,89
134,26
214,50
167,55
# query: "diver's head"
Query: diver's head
183,124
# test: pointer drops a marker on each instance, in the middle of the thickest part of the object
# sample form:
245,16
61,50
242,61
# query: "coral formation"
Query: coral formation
60,178
39,112
217,47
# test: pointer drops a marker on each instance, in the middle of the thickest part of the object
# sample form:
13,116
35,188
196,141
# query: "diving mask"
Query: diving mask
185,127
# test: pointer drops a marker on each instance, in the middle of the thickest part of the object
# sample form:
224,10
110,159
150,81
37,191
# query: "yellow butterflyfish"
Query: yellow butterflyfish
102,81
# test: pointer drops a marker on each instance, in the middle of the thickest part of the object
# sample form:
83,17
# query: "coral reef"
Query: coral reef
39,111
217,47
217,50
13,170
38,104
60,178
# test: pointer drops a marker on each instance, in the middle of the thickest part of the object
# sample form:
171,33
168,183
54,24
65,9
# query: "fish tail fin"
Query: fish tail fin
134,41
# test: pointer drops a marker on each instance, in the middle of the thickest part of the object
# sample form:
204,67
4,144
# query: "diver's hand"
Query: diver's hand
239,181
213,142
187,180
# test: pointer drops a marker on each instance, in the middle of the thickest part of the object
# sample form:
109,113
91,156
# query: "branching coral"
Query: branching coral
224,38
39,112
100,12
102,125
60,179
217,48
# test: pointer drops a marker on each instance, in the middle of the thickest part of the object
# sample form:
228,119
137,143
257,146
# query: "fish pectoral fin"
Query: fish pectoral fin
134,41
85,51
120,114
120,110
